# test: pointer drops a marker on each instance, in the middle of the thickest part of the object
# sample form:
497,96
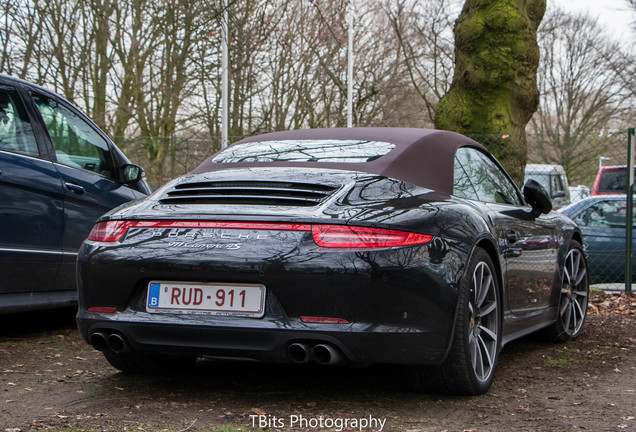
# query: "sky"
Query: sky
614,15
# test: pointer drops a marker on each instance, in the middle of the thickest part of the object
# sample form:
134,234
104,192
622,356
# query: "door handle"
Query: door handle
75,188
511,236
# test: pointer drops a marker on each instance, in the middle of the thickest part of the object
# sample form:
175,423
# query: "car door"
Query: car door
88,169
603,227
31,203
527,244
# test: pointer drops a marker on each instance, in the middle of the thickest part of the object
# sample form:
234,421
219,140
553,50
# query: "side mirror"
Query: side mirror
537,197
132,173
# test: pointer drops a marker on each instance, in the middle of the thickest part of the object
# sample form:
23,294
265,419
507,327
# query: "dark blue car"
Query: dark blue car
602,219
58,174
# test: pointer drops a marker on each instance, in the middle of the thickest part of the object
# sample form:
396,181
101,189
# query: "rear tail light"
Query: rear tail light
110,231
328,236
343,236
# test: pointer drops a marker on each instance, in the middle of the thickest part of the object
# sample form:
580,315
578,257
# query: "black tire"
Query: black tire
149,363
471,363
573,297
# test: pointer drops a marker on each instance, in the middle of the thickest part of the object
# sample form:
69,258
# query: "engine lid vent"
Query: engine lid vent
272,193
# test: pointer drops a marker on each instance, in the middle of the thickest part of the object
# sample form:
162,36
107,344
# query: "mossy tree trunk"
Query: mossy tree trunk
494,90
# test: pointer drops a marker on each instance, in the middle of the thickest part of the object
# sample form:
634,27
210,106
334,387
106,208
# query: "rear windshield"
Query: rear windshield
348,151
613,181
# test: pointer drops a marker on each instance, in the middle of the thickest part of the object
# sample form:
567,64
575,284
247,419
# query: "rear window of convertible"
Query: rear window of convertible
347,151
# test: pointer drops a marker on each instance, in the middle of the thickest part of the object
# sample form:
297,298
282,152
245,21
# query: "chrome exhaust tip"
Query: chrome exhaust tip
327,355
98,340
299,353
117,343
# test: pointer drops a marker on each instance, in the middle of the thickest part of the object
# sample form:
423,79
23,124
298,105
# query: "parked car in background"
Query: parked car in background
553,179
577,193
611,180
335,246
58,174
602,218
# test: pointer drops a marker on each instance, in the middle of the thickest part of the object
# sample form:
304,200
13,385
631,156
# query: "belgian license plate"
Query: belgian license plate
243,300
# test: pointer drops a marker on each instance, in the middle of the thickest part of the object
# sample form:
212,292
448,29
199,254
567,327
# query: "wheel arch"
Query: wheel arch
576,235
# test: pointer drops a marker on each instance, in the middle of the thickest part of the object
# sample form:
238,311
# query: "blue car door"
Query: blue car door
88,168
31,206
603,227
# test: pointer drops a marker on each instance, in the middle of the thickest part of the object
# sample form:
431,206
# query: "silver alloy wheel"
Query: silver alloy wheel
574,293
484,322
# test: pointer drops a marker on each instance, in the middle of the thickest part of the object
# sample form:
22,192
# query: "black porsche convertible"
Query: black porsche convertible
338,246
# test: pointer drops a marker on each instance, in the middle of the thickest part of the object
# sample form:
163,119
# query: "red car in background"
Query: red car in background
610,180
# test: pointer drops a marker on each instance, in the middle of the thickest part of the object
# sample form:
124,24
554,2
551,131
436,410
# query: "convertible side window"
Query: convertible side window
489,181
16,133
76,143
462,186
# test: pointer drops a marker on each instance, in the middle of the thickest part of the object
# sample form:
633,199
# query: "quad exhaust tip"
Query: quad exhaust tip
324,354
102,341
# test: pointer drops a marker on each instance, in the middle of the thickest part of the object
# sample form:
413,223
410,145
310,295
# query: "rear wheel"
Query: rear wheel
573,297
149,363
470,366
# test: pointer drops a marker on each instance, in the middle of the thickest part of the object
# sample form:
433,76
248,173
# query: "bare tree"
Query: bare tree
148,71
424,31
632,6
8,9
580,78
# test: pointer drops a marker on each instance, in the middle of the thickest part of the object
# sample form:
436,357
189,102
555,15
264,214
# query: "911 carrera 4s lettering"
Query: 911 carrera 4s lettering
228,246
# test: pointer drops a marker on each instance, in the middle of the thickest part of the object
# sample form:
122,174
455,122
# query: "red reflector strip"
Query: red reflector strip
323,320
328,236
102,309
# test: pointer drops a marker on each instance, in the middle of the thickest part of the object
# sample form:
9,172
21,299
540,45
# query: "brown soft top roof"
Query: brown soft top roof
424,157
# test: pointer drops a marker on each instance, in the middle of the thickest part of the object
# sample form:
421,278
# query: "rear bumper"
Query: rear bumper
268,341
399,304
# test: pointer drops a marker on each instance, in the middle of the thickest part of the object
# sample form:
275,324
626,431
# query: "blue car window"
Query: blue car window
16,133
604,214
76,142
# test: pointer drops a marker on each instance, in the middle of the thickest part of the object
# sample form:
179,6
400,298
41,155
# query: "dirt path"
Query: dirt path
51,380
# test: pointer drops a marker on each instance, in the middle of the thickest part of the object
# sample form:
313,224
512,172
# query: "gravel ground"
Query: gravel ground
51,380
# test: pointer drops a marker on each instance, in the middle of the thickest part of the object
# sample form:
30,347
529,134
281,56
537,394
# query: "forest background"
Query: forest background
148,72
